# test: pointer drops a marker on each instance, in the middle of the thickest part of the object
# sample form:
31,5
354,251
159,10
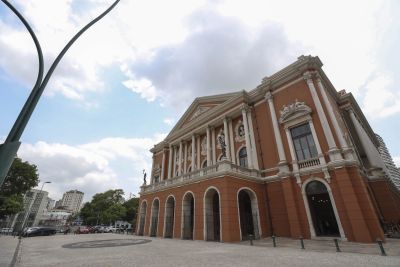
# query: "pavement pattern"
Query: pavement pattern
49,251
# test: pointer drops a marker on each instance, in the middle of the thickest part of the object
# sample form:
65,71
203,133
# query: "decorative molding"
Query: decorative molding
239,132
200,110
293,111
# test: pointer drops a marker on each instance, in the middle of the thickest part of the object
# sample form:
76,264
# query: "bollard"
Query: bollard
251,237
337,245
383,253
273,241
302,242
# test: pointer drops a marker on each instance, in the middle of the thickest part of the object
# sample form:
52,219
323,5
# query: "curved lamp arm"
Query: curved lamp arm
39,78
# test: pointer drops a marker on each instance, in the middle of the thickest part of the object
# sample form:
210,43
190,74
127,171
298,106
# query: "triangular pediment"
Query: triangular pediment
202,106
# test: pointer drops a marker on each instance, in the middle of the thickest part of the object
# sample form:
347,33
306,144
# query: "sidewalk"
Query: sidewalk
8,245
392,245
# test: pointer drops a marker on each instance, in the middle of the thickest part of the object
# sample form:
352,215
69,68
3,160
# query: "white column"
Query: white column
277,134
180,158
252,140
170,162
232,146
162,165
193,151
331,113
317,145
214,148
247,137
208,147
334,153
185,158
198,152
174,161
227,149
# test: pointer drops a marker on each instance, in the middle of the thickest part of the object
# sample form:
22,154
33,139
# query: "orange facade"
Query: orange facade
290,158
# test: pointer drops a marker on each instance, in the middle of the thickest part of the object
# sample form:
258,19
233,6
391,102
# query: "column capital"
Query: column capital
308,75
244,107
268,95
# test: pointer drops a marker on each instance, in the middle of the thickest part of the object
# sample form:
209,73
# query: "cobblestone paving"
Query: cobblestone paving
48,251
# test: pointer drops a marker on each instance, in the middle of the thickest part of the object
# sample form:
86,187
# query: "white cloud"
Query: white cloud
169,121
397,161
220,54
93,167
379,101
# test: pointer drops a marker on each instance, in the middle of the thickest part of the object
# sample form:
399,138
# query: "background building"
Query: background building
55,218
292,157
391,169
35,201
71,200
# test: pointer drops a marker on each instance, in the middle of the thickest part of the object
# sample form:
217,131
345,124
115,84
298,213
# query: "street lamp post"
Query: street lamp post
9,149
30,208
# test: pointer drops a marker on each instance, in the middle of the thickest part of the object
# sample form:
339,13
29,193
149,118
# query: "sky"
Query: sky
125,83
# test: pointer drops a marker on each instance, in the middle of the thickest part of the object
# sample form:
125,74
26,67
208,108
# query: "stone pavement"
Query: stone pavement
7,249
391,247
49,251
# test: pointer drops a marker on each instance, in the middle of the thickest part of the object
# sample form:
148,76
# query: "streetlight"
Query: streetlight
9,149
30,207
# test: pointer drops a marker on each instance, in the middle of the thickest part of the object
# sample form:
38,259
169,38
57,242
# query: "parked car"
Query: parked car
39,231
82,230
6,231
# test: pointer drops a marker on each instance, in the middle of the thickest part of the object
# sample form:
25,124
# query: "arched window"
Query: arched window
243,157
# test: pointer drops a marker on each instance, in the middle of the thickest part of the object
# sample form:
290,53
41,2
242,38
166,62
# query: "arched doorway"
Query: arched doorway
212,215
142,218
248,214
321,210
154,217
188,216
169,217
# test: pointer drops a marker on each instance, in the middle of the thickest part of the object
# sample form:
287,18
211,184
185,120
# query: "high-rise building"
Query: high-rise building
35,201
72,200
292,157
392,170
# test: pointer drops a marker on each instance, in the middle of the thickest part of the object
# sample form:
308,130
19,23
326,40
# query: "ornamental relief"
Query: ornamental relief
294,110
239,132
204,147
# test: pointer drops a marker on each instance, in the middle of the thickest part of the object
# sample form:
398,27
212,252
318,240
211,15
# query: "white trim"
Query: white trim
277,134
151,215
194,214
226,134
180,158
204,213
193,144
214,148
170,162
252,141
208,141
198,152
247,138
232,147
165,214
185,157
254,207
307,207
145,215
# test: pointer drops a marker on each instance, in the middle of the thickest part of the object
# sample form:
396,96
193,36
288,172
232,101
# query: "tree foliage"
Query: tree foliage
131,209
21,177
105,208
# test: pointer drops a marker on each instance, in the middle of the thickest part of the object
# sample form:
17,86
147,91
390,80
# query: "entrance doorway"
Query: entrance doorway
322,214
154,217
212,215
248,214
188,216
169,217
142,217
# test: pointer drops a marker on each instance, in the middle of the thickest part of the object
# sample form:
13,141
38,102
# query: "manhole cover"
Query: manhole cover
107,243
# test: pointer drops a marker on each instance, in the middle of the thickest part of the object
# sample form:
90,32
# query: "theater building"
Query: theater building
292,157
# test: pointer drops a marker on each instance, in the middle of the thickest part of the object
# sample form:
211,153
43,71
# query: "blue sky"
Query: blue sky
123,85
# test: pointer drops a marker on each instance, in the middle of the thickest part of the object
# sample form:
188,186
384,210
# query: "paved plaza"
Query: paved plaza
128,250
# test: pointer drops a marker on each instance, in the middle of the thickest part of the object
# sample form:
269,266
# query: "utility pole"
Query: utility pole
9,149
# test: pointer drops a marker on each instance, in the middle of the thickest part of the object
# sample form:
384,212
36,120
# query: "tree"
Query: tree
131,206
21,177
105,208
